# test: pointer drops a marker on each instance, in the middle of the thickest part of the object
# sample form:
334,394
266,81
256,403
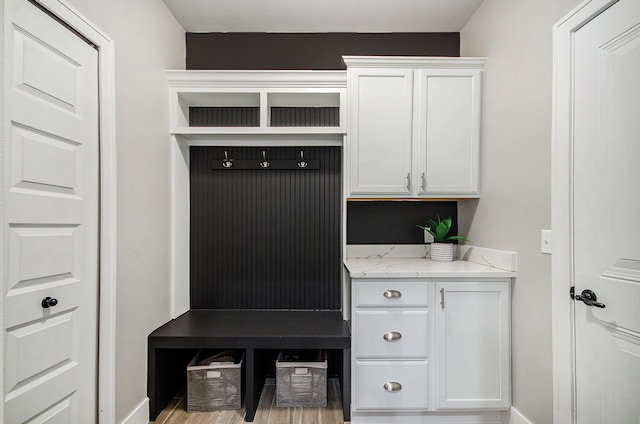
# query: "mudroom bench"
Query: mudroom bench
259,333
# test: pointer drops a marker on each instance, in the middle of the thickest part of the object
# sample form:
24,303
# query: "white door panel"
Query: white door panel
606,218
44,163
51,192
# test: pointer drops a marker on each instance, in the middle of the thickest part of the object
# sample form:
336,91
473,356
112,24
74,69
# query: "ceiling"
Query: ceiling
322,15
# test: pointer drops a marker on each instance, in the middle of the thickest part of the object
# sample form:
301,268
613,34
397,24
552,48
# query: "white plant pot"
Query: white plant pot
442,252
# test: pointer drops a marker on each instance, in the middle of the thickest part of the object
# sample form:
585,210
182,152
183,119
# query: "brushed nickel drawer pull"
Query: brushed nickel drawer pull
392,294
392,386
392,335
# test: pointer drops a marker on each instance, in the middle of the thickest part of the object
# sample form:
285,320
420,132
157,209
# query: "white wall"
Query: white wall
148,40
516,37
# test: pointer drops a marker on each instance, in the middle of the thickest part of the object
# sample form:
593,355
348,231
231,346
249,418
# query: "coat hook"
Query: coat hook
264,163
227,163
302,163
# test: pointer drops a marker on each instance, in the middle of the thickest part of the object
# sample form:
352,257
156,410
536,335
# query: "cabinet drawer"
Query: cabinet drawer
389,294
412,392
391,334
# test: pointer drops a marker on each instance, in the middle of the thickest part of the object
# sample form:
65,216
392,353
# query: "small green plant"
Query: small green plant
439,229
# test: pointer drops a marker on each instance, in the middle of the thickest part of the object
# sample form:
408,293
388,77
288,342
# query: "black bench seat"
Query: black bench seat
255,331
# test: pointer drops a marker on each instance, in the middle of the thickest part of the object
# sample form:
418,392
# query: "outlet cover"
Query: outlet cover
546,242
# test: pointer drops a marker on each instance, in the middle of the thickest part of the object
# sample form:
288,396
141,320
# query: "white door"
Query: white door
51,184
606,188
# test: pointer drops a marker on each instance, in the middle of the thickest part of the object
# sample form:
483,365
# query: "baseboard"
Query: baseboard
140,414
513,416
473,417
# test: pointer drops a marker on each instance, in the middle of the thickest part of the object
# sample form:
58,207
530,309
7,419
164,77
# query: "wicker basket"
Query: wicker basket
214,383
301,379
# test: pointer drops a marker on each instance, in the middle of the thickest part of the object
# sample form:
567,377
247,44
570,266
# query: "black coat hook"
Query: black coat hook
302,163
227,163
264,163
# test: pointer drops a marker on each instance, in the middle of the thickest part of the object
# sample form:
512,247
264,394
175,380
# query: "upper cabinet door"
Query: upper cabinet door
381,113
448,118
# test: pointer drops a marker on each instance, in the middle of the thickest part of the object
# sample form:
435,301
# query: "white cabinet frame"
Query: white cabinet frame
237,88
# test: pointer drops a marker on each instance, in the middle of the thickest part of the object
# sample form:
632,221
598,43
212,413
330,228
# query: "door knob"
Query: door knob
49,301
588,297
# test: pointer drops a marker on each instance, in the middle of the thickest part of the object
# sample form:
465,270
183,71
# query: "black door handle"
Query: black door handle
588,297
47,302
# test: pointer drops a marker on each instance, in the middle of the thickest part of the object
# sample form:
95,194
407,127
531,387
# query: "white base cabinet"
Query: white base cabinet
430,345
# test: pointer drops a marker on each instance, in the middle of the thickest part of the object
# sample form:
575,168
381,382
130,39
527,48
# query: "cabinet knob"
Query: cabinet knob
392,294
392,386
392,335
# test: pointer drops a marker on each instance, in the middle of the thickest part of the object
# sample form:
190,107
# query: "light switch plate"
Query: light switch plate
546,243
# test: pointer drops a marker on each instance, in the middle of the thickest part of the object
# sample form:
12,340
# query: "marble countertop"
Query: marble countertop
471,263
417,268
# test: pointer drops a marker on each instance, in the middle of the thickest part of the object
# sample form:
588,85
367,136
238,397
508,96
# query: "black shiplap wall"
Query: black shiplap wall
224,117
305,116
374,222
265,239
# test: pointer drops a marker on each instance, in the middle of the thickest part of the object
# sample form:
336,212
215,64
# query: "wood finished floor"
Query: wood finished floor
267,412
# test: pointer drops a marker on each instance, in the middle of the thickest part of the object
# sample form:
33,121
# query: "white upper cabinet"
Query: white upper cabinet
414,126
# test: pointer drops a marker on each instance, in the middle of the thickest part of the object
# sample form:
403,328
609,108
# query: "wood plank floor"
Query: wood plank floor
267,412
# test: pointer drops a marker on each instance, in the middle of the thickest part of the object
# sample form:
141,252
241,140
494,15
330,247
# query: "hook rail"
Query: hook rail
265,164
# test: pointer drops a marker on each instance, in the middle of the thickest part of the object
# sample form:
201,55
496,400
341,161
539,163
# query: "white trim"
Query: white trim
107,301
2,141
140,415
513,416
262,79
415,62
562,207
439,417
180,203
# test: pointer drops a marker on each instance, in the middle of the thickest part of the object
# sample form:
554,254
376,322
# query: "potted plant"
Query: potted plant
442,246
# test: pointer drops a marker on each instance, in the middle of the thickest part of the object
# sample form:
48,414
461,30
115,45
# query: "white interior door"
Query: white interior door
606,190
51,196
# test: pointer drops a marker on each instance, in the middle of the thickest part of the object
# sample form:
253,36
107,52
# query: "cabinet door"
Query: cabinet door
449,131
381,107
473,368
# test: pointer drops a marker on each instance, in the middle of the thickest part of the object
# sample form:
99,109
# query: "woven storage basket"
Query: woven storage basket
213,385
301,379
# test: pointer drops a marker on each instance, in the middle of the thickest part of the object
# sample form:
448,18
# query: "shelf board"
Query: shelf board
410,199
186,131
